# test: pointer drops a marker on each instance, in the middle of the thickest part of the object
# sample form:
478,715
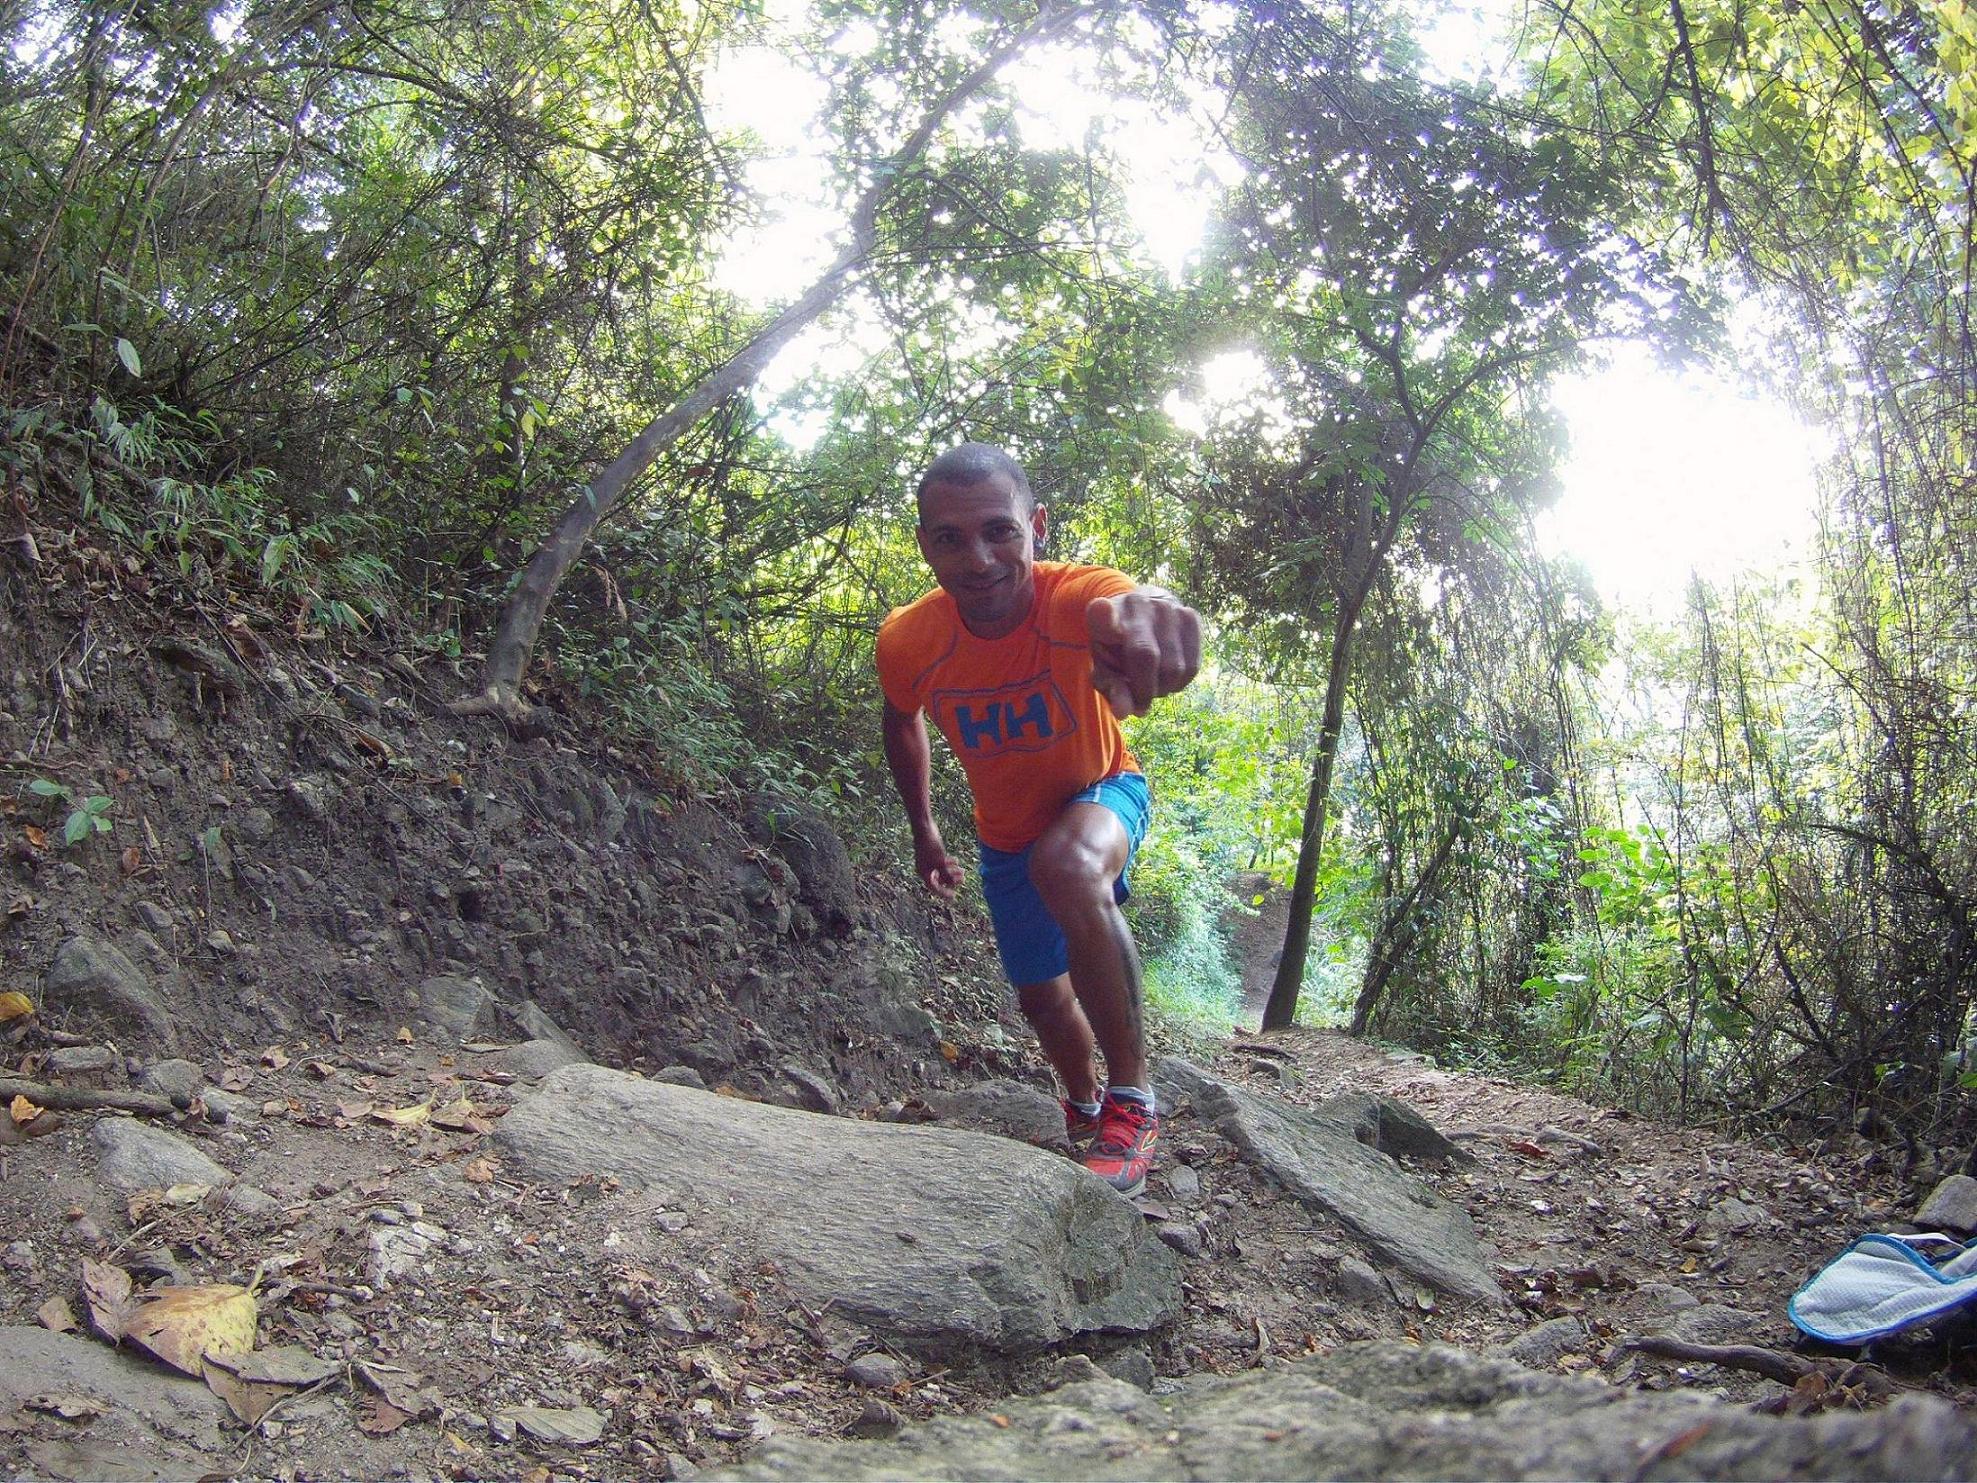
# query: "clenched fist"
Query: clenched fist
1144,644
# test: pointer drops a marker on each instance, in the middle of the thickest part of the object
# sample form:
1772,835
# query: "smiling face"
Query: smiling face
981,538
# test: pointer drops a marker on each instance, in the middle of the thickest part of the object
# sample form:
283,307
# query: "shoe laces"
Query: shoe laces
1120,1124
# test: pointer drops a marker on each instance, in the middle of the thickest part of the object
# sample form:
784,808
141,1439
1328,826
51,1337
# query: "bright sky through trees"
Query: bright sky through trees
1670,474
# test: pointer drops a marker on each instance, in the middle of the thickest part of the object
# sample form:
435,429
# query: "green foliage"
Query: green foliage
88,816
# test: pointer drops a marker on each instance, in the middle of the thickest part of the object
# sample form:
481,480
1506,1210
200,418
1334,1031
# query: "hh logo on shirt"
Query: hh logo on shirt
1024,717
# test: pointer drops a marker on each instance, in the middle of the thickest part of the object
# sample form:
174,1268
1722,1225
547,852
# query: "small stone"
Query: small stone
1665,1297
223,1106
251,1204
221,942
134,1156
1186,1239
813,1092
876,1419
1183,1184
1733,1215
875,1371
86,1065
1548,1343
154,917
1360,1284
1132,1365
312,797
534,1059
671,1322
176,1079
672,1222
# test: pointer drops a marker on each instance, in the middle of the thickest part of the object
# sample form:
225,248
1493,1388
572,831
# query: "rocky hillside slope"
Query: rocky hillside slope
489,1108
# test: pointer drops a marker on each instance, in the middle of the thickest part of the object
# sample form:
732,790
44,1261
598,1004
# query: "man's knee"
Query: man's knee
1070,870
1045,1001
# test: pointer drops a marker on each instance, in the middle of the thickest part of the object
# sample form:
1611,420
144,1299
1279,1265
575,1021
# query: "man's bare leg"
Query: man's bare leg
1073,865
1064,1034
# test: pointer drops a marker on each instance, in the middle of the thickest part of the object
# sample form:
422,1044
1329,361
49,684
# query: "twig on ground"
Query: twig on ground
84,1099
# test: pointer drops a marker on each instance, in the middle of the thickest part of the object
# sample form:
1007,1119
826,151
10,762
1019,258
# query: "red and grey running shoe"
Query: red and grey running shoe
1079,1126
1123,1150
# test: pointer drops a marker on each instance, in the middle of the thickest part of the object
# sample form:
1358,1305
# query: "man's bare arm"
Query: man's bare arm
910,757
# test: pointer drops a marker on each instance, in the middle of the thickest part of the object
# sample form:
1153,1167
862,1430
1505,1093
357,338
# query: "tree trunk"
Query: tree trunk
1396,935
521,620
1281,1009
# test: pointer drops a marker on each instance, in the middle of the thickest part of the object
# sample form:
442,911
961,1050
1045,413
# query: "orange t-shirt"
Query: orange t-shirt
1019,711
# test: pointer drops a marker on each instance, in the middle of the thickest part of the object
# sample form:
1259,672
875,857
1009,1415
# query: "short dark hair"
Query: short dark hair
975,463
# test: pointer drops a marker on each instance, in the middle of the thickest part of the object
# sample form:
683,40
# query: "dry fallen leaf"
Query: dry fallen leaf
404,1035
381,1418
274,1057
950,1052
132,860
57,1315
106,1293
279,1364
403,1117
460,1117
182,1325
36,837
68,1407
247,1399
23,1111
480,1171
13,1006
573,1426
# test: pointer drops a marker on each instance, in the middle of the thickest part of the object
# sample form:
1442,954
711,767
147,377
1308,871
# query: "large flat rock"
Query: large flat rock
1385,1410
156,1423
1320,1162
933,1238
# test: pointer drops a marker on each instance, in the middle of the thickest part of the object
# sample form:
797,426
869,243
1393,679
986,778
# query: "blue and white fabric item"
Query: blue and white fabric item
1883,1284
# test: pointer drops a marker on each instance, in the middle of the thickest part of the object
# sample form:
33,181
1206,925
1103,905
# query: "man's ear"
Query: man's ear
1037,524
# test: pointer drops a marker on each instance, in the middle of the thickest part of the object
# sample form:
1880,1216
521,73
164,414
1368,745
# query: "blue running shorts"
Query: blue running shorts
1026,935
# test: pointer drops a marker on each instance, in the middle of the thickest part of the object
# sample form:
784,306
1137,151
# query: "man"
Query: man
1026,667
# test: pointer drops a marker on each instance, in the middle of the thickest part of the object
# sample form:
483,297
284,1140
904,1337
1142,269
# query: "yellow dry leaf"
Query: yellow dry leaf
182,1325
950,1052
275,1057
23,1111
480,1171
403,1117
404,1036
13,1006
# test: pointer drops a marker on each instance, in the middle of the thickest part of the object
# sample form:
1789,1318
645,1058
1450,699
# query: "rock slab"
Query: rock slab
1385,1410
1325,1167
934,1239
97,983
152,1414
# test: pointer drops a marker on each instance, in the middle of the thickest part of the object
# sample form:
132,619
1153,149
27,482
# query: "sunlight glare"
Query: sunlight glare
1671,474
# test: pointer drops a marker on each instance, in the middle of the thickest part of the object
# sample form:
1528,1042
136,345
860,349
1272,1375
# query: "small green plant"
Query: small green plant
87,816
